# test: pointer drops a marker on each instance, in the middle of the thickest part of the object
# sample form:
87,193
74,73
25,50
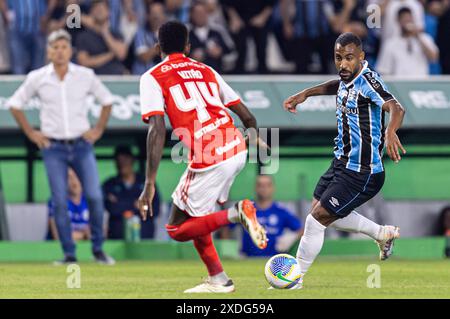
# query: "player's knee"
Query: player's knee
176,233
321,214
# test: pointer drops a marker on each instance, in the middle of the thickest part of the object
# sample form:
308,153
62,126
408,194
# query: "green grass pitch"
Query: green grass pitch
327,278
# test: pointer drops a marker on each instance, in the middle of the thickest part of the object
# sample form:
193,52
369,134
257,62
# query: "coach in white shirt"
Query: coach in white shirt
66,139
410,53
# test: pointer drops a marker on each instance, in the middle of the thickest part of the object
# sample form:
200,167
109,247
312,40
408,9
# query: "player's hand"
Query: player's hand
290,104
39,139
262,144
393,146
251,139
145,201
93,135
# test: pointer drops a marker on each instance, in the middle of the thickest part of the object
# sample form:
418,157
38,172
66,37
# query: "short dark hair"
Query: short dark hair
172,37
96,2
403,10
123,150
348,38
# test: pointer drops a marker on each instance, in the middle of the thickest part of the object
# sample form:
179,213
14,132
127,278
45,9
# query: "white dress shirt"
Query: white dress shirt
404,56
64,112
389,24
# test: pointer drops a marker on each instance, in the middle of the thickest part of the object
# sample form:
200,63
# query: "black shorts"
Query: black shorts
340,190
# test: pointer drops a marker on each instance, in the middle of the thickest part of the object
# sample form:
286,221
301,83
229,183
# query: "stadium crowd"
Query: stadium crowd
118,36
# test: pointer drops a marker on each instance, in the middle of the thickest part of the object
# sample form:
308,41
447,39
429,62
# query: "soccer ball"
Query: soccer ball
282,271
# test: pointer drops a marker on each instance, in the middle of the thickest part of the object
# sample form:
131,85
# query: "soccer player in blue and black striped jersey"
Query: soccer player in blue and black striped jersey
356,173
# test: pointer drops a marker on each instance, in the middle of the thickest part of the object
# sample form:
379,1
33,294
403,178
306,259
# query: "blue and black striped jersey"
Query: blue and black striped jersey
360,121
27,15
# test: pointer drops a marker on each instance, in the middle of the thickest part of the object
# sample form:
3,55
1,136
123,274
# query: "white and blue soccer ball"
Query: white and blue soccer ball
282,271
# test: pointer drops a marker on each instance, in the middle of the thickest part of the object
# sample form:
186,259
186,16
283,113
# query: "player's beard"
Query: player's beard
348,76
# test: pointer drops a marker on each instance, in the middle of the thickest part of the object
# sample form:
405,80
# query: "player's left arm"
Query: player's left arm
244,114
376,90
233,102
249,121
393,144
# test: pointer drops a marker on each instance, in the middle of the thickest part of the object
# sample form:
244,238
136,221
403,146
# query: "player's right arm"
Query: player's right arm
327,88
155,144
152,109
20,98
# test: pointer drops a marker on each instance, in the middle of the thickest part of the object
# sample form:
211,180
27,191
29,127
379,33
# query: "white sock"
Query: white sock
233,215
311,243
355,222
219,279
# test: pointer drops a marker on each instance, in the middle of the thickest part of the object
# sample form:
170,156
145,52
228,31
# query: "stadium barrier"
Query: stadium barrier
427,101
423,248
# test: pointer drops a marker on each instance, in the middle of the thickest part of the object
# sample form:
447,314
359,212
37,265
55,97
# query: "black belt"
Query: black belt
67,141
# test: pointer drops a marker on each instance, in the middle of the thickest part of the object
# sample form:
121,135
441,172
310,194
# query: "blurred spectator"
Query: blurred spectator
444,222
77,208
65,137
246,19
145,52
4,51
351,16
275,220
444,227
390,8
58,19
215,12
121,193
216,20
177,10
26,21
304,29
344,12
443,33
123,18
207,44
410,53
98,46
307,28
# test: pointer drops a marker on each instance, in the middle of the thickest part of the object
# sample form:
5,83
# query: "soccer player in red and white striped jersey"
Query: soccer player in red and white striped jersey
197,102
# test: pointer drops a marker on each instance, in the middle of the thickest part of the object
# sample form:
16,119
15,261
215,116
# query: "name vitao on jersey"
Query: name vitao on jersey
195,99
360,121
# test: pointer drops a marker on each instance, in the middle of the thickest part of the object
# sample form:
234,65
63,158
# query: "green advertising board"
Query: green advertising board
427,101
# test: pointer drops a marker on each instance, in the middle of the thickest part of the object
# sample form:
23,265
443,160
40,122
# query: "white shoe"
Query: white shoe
298,285
247,217
386,245
208,287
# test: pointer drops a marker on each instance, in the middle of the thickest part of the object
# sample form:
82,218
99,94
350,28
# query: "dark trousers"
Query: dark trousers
303,48
259,36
